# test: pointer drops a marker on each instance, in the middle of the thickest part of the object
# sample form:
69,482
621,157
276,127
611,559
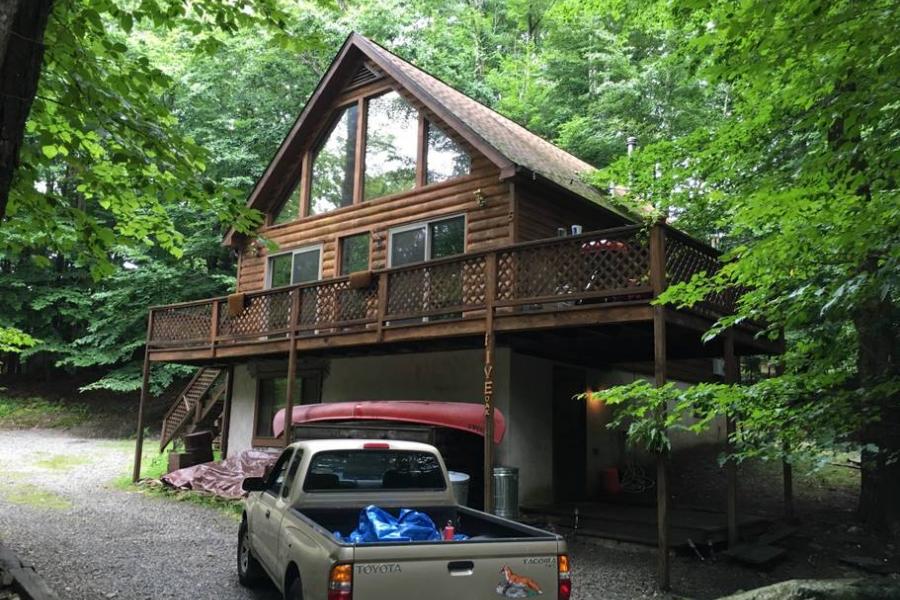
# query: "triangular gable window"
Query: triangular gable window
445,158
389,157
290,210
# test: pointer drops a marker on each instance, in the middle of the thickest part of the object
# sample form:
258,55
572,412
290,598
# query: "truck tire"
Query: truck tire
295,592
249,570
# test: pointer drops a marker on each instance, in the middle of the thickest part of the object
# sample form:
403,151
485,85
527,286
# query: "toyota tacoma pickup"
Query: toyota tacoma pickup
296,521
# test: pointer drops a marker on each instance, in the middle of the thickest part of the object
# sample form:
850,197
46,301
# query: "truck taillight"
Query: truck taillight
340,582
565,578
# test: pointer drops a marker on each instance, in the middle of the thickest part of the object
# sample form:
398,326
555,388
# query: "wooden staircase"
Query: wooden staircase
197,407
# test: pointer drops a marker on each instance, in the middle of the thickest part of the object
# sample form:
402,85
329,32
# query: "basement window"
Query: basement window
271,397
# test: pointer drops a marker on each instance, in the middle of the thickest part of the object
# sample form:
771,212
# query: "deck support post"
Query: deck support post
658,283
490,273
732,376
145,385
226,411
787,475
294,321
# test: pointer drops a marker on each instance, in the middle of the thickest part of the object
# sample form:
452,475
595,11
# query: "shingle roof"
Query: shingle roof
516,143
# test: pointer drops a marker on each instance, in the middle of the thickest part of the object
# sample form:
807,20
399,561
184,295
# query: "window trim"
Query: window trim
320,246
426,224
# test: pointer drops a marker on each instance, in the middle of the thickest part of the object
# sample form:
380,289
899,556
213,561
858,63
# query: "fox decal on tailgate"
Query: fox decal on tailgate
517,586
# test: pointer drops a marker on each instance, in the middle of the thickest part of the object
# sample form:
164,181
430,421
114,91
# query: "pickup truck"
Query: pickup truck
317,488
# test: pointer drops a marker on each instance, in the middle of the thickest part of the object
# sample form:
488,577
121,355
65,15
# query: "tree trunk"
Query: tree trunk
22,24
879,499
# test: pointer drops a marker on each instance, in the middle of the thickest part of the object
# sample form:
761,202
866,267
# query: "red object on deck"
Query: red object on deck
466,416
609,481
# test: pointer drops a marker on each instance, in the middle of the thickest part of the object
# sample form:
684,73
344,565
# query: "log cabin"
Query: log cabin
428,248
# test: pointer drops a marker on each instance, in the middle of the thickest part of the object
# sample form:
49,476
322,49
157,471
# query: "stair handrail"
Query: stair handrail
165,439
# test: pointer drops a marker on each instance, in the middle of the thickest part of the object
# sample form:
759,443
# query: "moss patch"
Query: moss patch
61,462
32,495
28,413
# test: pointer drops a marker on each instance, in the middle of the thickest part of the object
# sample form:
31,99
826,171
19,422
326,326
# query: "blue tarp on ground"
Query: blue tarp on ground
378,525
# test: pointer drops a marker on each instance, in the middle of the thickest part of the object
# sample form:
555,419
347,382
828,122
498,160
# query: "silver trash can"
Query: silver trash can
459,483
506,492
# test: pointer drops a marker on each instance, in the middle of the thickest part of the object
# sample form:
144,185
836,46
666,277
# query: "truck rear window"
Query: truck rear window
373,470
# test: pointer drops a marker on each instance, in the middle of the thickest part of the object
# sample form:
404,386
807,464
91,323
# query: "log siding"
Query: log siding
481,196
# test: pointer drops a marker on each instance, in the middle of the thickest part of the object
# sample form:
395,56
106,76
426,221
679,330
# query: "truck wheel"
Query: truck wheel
249,570
295,592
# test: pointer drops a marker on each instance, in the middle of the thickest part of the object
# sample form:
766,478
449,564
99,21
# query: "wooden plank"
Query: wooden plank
226,411
657,282
756,555
490,274
26,580
359,163
145,391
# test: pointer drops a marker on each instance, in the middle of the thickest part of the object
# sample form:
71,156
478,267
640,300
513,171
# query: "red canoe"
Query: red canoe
466,416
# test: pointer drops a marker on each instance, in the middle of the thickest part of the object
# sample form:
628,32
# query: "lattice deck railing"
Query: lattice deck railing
547,275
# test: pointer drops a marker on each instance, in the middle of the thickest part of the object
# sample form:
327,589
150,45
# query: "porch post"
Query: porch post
787,475
490,272
658,283
787,470
294,319
145,384
732,376
226,411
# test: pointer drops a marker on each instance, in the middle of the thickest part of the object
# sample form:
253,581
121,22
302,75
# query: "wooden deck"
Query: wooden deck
585,281
637,524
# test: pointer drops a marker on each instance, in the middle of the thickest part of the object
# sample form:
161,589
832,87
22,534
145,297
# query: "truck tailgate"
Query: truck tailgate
469,570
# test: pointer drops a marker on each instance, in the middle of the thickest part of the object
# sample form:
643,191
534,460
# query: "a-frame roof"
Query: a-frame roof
506,143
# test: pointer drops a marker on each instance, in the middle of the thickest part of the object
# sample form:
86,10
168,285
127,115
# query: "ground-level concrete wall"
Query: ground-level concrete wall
523,390
243,403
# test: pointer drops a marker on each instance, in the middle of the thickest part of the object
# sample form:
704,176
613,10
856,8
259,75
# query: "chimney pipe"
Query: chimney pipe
632,144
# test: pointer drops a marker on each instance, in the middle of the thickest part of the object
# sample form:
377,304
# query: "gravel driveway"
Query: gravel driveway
90,541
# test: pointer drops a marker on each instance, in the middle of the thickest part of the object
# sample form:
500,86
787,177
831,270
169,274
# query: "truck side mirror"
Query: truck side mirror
253,484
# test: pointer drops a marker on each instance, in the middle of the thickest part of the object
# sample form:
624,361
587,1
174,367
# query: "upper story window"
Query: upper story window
334,165
354,253
427,241
299,266
444,158
391,146
290,210
361,157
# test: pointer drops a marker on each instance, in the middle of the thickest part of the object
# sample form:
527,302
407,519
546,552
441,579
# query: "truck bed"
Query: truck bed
500,559
477,525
